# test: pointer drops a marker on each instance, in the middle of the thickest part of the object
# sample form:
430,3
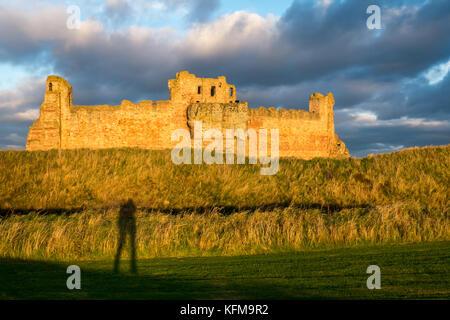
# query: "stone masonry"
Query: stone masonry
149,125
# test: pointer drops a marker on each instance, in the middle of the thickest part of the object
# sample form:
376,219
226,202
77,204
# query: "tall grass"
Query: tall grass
193,210
104,178
93,235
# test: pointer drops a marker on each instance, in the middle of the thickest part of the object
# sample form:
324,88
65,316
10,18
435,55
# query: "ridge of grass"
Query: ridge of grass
70,179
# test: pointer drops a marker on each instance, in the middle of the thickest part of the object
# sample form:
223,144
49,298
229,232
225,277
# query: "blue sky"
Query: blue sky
391,85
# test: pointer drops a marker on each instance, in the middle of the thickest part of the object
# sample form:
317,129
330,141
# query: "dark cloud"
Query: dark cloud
26,39
336,39
428,101
13,136
386,137
19,107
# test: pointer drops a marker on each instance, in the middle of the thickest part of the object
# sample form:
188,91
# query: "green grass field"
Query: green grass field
418,271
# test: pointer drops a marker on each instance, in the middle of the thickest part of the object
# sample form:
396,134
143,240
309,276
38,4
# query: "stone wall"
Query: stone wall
142,125
303,134
149,125
220,116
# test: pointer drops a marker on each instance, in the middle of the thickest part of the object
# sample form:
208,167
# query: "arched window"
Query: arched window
213,91
50,86
231,92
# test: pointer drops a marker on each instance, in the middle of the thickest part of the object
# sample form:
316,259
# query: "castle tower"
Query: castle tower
188,88
45,133
323,105
58,91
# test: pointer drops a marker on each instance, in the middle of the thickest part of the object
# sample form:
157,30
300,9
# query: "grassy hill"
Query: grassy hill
103,178
64,205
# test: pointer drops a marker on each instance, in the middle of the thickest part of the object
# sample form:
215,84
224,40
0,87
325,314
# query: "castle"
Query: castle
149,125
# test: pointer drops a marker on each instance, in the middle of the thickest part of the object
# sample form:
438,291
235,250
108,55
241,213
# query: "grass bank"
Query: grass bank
103,178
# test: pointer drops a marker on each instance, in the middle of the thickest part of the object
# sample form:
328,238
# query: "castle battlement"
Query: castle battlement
283,113
148,124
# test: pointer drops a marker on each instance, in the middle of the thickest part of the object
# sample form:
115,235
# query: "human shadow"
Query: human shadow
127,226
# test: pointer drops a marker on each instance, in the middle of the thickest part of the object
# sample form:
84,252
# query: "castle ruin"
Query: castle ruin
149,125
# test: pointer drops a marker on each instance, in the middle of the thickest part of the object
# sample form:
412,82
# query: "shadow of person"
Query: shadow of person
127,225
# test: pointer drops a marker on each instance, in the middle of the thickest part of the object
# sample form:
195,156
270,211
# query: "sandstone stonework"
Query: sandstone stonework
149,125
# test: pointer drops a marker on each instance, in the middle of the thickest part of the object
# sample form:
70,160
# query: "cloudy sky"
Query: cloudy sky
391,86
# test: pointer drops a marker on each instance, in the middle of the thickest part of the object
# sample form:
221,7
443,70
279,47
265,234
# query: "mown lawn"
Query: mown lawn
413,271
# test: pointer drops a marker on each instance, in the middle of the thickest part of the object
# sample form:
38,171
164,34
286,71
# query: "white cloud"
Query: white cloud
14,138
420,122
364,116
158,5
231,33
28,115
26,93
324,3
437,73
378,148
46,23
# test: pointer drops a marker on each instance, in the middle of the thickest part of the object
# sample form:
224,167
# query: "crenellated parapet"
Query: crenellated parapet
282,113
